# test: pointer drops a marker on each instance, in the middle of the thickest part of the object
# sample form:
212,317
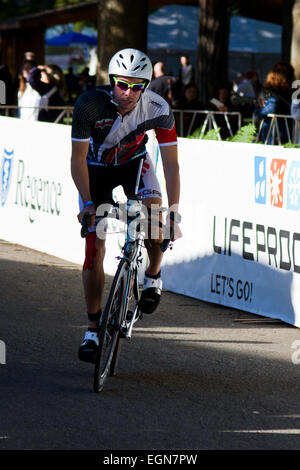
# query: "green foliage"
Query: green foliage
246,134
212,134
289,145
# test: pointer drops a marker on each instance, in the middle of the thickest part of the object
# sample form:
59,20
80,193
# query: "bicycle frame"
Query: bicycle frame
119,316
132,254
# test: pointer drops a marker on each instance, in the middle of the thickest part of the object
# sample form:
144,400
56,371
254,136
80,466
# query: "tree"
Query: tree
213,40
11,8
121,23
295,46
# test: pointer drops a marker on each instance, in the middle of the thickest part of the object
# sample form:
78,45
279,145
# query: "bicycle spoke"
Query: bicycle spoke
109,330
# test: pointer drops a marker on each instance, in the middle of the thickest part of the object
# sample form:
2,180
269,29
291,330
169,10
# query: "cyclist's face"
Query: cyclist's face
126,99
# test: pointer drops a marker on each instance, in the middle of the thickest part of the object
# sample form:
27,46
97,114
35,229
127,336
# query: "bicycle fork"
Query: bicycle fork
127,324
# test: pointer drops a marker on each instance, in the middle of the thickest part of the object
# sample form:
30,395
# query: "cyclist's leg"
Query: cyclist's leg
150,192
93,277
152,198
93,272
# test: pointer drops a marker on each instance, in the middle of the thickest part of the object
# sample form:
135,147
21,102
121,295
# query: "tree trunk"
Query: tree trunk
295,47
287,29
213,40
121,24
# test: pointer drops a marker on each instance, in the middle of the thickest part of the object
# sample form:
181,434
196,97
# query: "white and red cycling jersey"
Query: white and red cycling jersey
115,139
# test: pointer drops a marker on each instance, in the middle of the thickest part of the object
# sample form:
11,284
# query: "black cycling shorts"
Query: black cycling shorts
103,180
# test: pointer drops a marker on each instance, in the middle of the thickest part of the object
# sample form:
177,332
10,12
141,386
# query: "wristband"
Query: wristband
88,203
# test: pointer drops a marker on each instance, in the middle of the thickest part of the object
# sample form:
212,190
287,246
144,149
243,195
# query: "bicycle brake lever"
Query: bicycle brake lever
86,222
167,243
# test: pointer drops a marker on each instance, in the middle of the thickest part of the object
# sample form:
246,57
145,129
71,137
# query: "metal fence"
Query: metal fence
207,124
64,117
279,124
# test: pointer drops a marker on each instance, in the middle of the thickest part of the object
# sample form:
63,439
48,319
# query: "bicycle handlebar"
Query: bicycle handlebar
86,221
164,245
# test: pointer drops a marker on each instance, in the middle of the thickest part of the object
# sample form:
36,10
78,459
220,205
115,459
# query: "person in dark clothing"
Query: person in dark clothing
6,77
190,102
275,98
162,83
186,71
72,85
48,81
223,104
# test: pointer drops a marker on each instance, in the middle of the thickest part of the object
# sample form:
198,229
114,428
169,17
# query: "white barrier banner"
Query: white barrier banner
39,202
240,207
241,233
38,199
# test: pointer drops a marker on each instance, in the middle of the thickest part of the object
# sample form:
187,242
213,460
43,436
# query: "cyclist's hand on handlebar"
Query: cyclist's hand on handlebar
175,230
87,218
89,210
172,231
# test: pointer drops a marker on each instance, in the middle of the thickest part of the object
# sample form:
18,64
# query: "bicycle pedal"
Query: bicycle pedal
123,332
129,315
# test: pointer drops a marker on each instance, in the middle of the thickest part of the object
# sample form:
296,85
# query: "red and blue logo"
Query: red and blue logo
277,183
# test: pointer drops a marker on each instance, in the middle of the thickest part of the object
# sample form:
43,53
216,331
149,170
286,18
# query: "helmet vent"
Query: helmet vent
131,58
124,66
145,65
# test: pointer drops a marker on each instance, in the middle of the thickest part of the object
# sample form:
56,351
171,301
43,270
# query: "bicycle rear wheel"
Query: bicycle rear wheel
110,326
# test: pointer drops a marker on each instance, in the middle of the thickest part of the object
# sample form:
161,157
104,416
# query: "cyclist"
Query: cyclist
108,138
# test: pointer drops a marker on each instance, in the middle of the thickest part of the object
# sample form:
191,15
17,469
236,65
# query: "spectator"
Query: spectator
6,77
186,77
48,81
186,71
275,98
295,113
243,87
190,101
222,103
254,80
29,56
243,96
162,83
28,98
72,85
86,81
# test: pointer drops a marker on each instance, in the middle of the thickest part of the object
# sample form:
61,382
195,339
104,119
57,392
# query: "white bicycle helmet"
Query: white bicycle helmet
131,63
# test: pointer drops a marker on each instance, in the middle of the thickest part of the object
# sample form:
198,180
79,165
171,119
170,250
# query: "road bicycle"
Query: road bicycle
121,311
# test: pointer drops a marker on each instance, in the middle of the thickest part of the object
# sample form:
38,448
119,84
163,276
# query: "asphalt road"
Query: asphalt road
194,376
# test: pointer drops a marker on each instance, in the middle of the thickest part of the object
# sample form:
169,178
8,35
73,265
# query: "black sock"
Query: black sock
153,276
93,330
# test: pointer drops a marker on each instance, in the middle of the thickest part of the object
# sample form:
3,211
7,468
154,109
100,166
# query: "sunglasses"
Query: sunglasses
123,85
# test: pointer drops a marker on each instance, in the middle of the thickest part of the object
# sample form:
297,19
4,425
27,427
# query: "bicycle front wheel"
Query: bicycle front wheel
110,326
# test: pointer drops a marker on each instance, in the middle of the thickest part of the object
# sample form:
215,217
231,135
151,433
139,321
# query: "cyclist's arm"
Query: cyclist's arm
79,169
171,171
82,125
